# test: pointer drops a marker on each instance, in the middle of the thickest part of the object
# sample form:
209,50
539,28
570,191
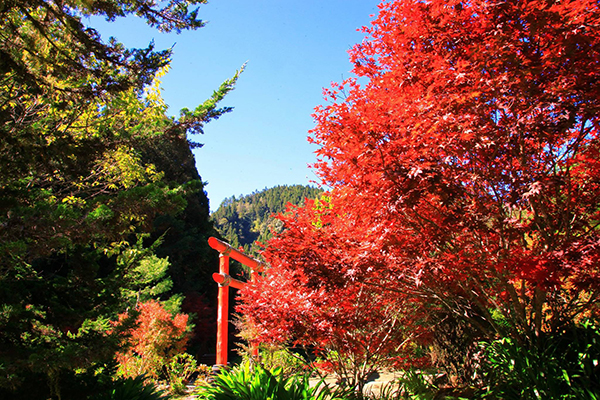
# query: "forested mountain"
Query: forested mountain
248,219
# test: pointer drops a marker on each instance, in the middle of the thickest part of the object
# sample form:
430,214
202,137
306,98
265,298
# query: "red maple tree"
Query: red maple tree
324,293
465,169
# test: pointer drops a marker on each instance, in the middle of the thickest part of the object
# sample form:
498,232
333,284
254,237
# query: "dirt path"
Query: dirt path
382,381
376,383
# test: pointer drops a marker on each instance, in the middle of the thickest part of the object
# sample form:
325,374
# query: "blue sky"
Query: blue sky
293,50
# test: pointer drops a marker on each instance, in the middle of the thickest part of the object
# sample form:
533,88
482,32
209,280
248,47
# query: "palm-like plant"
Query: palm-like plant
254,382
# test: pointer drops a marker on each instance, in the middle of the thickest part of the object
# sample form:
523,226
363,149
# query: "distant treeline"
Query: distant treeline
245,220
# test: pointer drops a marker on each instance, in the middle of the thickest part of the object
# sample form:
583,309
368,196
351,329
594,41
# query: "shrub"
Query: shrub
158,338
182,369
415,385
132,389
564,365
291,361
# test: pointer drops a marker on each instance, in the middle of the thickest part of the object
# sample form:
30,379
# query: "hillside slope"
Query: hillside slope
248,219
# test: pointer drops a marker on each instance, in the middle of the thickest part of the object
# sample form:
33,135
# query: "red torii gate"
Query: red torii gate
225,280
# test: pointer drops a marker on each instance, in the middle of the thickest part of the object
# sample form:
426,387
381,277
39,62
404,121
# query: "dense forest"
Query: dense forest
245,220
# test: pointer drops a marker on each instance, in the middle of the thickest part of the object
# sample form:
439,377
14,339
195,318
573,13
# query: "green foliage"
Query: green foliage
55,313
147,272
95,383
555,366
179,371
248,219
388,391
132,389
289,362
254,382
183,235
563,365
192,121
414,385
424,385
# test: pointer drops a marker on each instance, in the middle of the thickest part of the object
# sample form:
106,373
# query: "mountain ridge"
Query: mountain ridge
250,218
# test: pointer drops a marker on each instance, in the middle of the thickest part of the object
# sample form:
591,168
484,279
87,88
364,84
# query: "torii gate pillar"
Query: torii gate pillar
223,312
225,280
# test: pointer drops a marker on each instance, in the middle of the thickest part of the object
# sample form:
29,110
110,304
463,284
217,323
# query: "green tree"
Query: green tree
78,193
184,240
184,235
